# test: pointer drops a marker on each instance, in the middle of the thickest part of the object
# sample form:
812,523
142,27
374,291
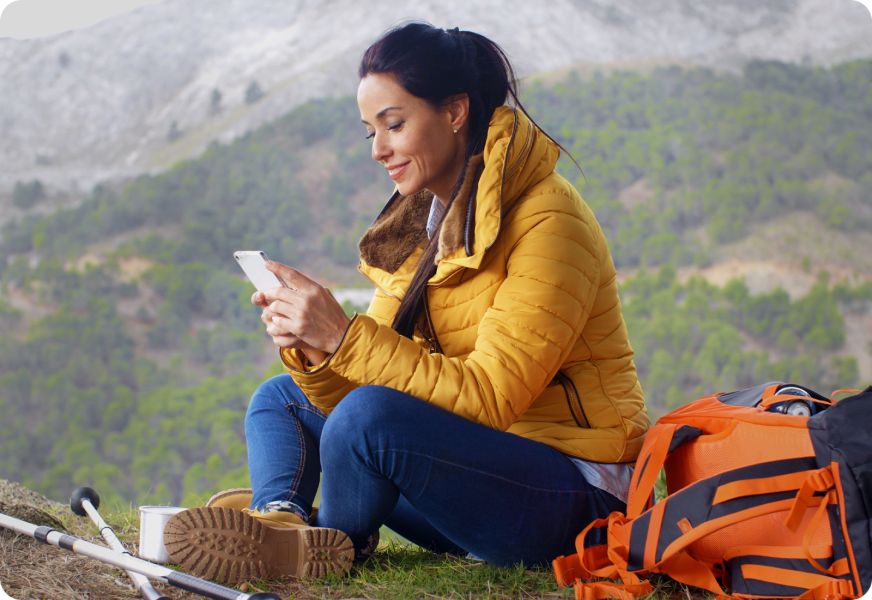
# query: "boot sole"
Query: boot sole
228,546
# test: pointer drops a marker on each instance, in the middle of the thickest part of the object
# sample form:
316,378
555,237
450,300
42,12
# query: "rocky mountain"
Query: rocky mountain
140,91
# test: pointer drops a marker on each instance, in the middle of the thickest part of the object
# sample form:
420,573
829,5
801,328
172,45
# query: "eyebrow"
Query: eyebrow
382,113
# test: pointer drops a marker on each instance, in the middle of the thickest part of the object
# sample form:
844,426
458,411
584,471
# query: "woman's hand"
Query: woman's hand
309,319
280,337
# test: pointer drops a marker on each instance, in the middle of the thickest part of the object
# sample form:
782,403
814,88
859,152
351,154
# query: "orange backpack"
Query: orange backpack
762,503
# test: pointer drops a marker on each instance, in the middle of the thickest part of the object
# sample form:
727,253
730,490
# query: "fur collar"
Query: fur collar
402,225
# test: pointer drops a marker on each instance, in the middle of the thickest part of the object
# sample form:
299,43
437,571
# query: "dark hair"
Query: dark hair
435,64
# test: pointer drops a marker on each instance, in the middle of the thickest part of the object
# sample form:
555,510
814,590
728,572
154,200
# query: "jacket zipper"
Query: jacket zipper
573,399
435,346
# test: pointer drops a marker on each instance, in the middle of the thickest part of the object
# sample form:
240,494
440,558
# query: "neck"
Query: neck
443,190
442,193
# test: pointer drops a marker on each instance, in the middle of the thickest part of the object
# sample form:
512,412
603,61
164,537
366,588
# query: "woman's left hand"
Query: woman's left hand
311,312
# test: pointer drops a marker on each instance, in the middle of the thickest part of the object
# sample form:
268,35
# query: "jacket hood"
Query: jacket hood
516,156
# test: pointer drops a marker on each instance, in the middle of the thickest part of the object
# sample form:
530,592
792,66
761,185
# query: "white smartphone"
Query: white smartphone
253,262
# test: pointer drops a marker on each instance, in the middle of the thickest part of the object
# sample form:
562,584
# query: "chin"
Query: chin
409,189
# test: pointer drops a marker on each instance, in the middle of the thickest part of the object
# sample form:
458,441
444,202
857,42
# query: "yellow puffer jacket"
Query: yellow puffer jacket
522,329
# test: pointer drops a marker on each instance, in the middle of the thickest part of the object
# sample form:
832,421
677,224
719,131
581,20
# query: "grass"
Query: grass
397,570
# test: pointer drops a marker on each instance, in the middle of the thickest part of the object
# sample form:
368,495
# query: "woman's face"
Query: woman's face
414,141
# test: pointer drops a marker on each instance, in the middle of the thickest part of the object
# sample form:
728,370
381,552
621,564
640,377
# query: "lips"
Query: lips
396,171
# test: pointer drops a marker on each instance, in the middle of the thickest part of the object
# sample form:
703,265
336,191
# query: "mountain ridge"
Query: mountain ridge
133,93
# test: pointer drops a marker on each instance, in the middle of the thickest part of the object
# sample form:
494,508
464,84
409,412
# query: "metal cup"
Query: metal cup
152,520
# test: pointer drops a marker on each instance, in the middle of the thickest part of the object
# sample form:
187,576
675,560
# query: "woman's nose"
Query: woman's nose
380,149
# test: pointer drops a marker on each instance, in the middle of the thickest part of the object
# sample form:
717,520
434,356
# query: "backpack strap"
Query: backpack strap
797,579
848,391
768,401
779,571
839,567
645,476
632,587
834,589
602,562
568,569
818,481
661,441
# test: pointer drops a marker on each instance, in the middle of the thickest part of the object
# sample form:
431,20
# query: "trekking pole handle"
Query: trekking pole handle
52,537
143,586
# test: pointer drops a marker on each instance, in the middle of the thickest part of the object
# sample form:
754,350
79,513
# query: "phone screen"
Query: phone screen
253,262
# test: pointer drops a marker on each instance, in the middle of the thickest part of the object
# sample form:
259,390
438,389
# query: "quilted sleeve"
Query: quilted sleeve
324,387
553,267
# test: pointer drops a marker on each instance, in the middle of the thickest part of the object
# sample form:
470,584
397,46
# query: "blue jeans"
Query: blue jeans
438,480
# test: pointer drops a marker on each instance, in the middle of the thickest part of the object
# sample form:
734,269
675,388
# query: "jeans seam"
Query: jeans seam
529,487
302,462
359,496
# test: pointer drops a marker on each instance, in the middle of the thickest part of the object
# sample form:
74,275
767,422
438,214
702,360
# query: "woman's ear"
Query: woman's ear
457,110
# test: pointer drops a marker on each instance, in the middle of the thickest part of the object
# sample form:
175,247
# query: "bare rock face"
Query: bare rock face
141,91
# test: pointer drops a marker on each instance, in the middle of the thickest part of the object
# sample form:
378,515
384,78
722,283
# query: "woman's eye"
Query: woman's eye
390,127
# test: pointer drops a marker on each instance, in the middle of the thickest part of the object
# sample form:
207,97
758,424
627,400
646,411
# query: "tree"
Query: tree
26,195
253,93
215,102
174,133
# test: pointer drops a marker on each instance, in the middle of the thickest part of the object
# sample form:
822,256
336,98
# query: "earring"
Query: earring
455,131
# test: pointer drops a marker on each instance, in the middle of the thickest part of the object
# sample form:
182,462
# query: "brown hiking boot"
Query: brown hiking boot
240,499
229,545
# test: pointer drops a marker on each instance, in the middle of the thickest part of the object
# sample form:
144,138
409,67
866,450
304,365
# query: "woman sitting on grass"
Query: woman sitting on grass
487,402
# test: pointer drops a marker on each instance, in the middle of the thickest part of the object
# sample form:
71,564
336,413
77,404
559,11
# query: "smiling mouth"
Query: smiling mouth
397,171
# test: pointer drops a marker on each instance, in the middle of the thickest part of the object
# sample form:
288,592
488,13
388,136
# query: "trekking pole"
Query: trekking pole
183,581
85,502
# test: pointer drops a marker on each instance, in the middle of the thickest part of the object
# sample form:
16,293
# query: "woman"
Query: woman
487,402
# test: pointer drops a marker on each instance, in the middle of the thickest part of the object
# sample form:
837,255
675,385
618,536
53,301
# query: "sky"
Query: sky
39,18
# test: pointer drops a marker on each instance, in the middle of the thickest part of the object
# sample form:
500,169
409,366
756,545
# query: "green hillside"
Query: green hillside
129,350
717,152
